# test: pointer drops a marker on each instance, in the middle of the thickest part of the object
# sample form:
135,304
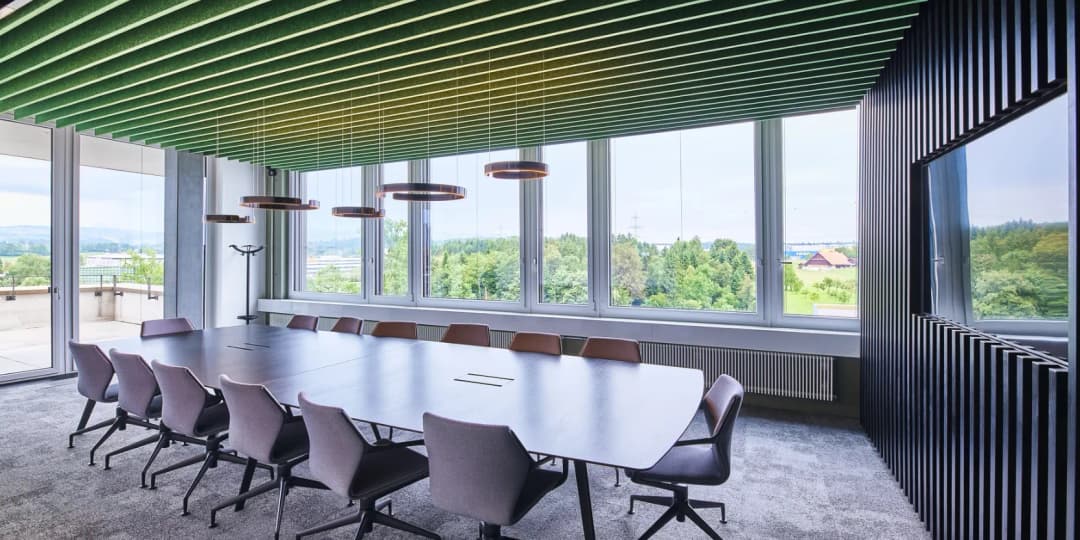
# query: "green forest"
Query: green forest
1019,270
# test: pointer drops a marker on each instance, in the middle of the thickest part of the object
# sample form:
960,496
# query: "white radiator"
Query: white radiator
804,376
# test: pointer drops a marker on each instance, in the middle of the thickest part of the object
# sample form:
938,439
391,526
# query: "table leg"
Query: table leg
584,499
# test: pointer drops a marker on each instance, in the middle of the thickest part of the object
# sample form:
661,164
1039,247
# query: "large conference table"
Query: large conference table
584,410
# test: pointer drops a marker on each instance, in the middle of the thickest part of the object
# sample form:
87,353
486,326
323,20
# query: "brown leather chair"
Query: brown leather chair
303,322
537,342
626,350
398,329
468,334
348,325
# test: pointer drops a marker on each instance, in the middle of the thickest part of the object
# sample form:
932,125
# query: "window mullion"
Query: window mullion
770,160
419,247
599,160
530,235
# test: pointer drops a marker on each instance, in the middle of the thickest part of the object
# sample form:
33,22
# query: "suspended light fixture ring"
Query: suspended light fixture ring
271,202
421,191
228,219
516,170
358,212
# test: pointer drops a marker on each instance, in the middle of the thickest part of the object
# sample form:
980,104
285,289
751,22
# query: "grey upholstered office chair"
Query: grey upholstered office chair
264,432
537,342
341,459
303,322
95,383
348,325
166,327
705,462
192,415
483,472
140,401
468,334
626,350
398,329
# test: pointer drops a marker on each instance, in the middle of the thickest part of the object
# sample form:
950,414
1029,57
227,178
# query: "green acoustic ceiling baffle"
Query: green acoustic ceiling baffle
301,85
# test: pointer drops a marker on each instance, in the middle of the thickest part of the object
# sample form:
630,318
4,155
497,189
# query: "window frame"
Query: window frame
298,251
768,260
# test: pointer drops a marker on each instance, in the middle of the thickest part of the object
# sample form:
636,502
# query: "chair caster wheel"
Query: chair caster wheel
185,513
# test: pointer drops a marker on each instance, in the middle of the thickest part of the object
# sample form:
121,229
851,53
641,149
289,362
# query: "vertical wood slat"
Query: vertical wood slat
977,433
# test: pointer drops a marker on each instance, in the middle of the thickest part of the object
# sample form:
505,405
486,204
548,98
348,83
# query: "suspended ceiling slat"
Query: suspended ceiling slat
315,84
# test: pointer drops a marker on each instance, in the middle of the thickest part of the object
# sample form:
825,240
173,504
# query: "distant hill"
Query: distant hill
29,235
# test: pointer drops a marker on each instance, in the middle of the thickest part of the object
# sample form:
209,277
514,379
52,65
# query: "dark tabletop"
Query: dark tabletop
599,411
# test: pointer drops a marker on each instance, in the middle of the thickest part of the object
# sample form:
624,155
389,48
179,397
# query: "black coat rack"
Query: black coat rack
248,251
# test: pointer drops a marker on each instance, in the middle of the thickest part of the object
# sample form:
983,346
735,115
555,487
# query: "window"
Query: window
121,237
564,274
335,257
473,244
683,225
999,219
820,199
25,247
393,264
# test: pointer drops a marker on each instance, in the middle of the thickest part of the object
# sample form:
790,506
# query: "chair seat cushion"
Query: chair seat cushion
291,443
539,483
212,420
694,464
385,470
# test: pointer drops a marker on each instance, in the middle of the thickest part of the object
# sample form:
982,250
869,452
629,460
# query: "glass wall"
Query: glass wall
564,274
473,244
821,206
393,268
25,248
121,237
683,220
334,246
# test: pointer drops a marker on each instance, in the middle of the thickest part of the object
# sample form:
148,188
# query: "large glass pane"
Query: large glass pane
683,220
335,258
121,237
999,224
821,198
474,251
393,267
565,272
25,246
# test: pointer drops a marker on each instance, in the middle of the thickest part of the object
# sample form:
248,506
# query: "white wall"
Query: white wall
226,182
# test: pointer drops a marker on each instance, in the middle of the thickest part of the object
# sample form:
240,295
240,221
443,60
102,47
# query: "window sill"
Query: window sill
790,340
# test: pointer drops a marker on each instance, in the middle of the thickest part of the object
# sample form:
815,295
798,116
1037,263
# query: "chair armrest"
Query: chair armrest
403,444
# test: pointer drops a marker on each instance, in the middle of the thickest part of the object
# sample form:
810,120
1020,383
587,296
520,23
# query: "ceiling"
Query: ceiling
315,84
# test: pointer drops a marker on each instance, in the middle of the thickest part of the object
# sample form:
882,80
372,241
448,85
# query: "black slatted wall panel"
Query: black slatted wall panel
976,431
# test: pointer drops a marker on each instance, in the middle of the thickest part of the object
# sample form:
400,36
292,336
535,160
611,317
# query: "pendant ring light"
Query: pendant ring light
361,212
224,218
516,169
276,202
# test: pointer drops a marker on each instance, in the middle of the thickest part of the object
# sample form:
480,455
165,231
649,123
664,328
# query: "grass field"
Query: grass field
798,303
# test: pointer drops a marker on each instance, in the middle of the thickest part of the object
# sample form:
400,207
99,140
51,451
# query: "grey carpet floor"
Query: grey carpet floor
793,477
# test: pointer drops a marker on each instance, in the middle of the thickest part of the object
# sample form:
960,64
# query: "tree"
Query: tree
29,269
144,267
331,279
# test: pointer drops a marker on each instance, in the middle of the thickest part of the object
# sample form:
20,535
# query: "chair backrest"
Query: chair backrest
398,329
476,470
537,342
722,404
137,383
255,418
183,397
303,322
348,325
626,350
95,370
468,334
336,447
164,327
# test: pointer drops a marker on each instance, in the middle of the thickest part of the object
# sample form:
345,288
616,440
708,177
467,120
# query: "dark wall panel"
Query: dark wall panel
979,433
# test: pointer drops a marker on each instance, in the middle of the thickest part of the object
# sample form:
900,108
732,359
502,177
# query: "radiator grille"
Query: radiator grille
804,376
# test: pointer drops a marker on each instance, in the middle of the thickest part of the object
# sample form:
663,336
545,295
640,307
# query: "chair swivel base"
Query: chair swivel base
368,517
680,507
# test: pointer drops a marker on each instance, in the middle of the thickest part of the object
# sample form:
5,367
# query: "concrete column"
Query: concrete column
184,256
